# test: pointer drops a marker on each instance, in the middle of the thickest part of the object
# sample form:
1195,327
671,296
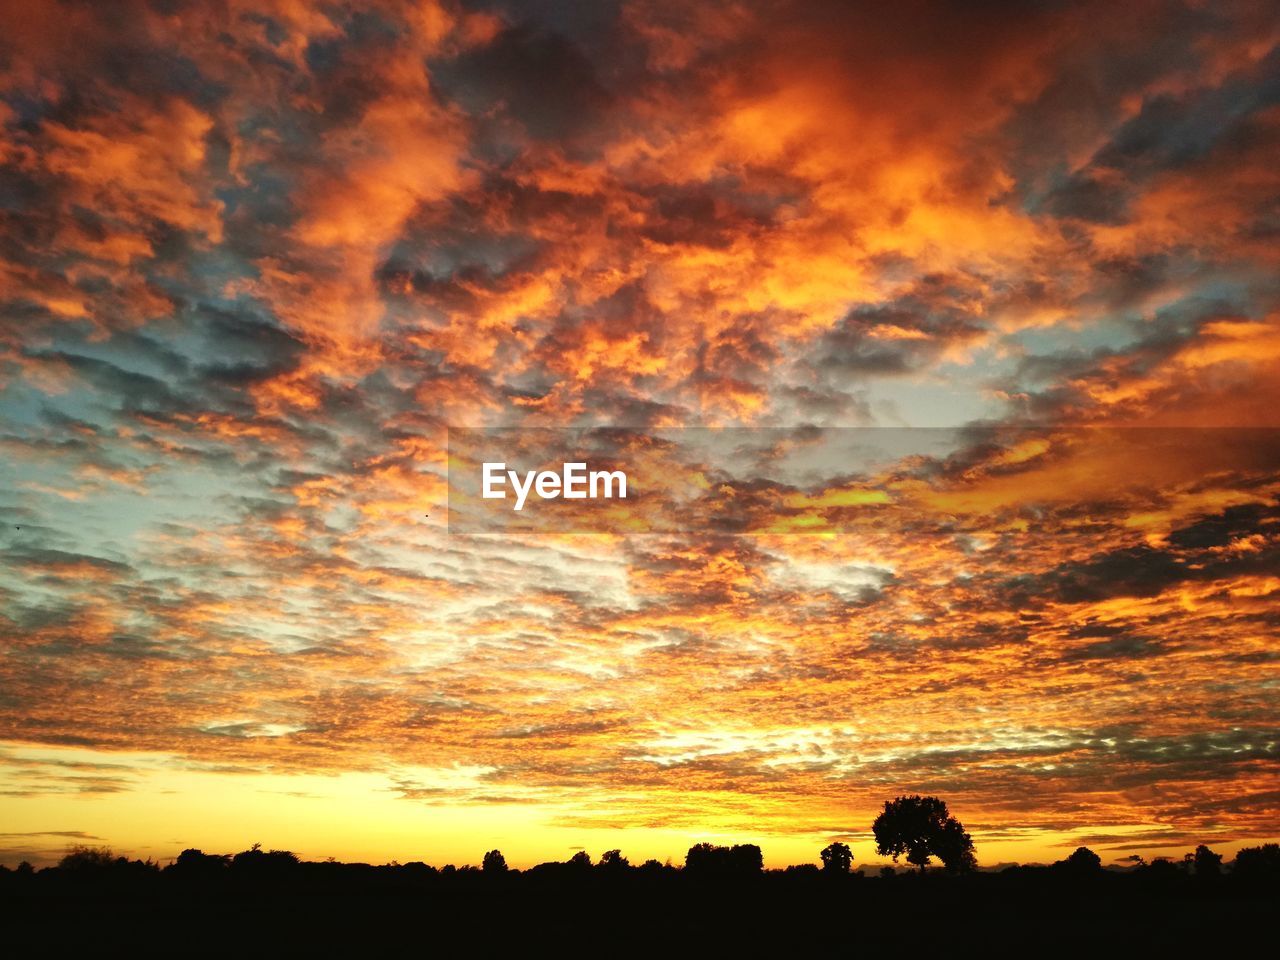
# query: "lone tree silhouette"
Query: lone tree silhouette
1206,862
494,862
921,827
1082,861
837,858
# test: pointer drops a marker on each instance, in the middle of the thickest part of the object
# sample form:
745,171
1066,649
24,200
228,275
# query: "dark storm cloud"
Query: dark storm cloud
1138,571
712,215
1121,648
900,336
828,405
1222,529
242,349
537,77
1144,571
1169,133
132,392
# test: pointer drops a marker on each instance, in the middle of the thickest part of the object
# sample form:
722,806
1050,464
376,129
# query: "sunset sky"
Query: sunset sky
258,258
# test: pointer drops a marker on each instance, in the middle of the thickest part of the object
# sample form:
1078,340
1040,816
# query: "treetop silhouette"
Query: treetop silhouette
921,828
837,858
613,860
1205,862
709,860
1082,861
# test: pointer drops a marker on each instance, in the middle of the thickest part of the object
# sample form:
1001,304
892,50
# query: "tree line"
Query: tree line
915,828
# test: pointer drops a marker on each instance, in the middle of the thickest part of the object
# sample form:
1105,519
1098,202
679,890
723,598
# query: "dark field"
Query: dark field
368,910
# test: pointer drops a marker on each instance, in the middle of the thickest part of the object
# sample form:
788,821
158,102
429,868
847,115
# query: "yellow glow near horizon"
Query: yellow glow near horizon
169,805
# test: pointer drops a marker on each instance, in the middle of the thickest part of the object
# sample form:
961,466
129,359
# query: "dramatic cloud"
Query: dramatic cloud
256,259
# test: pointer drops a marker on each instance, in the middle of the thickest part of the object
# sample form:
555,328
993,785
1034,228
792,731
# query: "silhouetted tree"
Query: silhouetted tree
837,858
701,857
707,859
747,858
1206,862
580,860
197,863
954,847
255,860
1082,861
801,870
921,827
81,857
1258,863
494,862
1161,868
614,860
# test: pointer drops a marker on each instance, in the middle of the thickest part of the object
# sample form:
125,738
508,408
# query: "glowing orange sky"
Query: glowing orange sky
259,257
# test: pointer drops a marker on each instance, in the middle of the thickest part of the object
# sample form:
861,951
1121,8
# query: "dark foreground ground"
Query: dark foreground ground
369,911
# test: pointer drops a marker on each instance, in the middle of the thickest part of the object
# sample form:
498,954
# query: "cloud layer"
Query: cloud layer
257,258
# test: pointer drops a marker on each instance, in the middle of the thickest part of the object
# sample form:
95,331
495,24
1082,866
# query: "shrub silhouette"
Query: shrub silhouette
837,858
921,828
